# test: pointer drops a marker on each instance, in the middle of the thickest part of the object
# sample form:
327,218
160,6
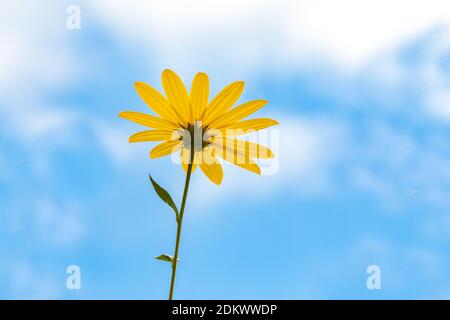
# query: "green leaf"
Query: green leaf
164,257
164,195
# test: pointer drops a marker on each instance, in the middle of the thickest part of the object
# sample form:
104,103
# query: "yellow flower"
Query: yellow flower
187,121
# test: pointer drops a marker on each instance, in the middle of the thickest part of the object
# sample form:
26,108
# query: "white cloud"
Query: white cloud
429,261
437,228
25,281
398,261
438,104
50,223
115,143
32,123
309,149
230,35
35,53
36,63
371,182
250,34
434,79
58,225
305,153
403,266
426,73
400,168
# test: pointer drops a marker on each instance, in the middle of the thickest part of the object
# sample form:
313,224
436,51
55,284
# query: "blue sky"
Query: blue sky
363,155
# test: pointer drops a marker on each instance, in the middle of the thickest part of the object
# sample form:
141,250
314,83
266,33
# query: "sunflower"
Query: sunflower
200,130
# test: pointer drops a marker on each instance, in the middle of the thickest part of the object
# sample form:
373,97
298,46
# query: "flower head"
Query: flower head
200,130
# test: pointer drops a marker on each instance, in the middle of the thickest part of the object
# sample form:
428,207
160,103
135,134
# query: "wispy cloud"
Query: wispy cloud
306,151
253,34
363,110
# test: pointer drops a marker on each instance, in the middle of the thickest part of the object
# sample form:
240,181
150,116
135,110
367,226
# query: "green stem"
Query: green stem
180,222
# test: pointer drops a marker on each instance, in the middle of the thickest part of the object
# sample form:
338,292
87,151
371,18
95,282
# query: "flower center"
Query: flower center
195,137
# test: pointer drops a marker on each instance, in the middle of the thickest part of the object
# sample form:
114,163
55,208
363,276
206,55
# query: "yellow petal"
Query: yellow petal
251,166
247,148
186,159
223,101
238,113
237,158
176,93
199,95
156,102
211,168
147,120
247,126
165,149
154,135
